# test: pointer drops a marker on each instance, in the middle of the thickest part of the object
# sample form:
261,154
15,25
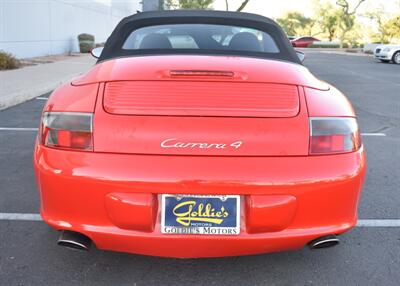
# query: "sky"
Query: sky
275,8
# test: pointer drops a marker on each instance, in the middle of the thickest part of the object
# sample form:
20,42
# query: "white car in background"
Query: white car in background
387,53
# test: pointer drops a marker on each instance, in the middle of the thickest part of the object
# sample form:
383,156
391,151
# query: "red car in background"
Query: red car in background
304,42
198,134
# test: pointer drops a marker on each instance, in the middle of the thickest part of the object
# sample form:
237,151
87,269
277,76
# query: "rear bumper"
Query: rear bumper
316,196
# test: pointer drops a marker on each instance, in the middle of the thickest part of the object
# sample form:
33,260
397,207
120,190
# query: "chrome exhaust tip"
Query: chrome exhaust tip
74,240
324,242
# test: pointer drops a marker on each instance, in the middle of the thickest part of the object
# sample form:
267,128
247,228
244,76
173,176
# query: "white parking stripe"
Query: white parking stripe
378,223
360,223
18,216
373,134
17,129
42,98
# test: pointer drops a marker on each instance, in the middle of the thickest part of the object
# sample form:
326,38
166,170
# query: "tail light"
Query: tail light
67,130
331,135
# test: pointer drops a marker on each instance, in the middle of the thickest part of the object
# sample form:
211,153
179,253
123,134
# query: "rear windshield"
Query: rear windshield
200,37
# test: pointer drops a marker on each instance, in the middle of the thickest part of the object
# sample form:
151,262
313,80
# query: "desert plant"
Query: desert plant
86,43
8,61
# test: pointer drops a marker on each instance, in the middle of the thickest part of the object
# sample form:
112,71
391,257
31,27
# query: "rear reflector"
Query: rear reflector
68,130
332,135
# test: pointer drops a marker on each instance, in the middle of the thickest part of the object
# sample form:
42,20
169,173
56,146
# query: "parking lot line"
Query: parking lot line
17,129
42,98
20,216
360,223
378,223
373,134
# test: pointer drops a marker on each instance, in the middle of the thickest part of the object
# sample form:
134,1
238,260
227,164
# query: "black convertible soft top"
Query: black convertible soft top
113,47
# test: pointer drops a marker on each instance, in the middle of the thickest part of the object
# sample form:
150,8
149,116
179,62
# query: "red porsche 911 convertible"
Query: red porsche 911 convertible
198,134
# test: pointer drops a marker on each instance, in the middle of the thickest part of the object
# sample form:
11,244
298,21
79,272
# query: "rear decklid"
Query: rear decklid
240,110
244,69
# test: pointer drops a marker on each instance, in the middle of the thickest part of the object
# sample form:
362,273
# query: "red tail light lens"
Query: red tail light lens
331,135
68,130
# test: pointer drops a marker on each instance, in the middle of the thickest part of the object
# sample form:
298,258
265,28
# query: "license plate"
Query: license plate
196,214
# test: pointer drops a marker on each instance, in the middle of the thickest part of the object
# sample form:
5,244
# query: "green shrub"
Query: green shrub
327,46
85,37
86,43
8,61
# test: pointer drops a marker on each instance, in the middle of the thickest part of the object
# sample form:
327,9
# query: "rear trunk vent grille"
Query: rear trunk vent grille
200,98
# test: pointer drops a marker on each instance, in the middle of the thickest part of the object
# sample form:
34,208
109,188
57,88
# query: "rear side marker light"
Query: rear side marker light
67,130
332,135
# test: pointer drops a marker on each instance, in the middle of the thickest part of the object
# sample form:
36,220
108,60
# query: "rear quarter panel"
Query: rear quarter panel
69,98
328,103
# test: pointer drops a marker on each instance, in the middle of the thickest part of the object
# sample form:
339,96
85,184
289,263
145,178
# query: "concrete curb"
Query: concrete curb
334,52
347,54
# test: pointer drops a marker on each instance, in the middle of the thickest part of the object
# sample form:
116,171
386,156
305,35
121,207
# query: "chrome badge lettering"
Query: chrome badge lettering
188,211
175,143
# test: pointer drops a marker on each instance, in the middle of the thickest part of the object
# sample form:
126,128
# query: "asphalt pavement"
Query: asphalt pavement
368,255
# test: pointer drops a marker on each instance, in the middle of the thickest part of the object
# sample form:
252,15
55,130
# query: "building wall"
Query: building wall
30,28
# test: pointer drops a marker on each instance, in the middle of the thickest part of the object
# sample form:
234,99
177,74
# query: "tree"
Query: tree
201,4
188,4
393,27
240,8
329,24
328,18
295,23
227,5
347,18
383,23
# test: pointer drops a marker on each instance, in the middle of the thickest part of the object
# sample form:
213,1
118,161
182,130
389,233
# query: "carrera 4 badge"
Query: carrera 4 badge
175,143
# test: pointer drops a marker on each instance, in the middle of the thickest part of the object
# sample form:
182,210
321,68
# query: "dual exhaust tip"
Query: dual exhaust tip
324,242
74,240
79,241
